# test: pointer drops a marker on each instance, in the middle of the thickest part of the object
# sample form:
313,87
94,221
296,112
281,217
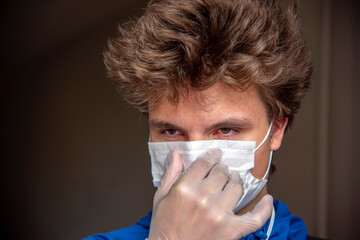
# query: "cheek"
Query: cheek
262,157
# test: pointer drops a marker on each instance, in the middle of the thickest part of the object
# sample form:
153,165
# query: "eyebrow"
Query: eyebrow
227,123
231,123
159,124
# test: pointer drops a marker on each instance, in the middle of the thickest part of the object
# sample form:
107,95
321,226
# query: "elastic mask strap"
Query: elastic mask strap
271,152
268,169
267,135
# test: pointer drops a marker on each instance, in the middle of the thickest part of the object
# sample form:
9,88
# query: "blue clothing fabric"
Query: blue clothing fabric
286,226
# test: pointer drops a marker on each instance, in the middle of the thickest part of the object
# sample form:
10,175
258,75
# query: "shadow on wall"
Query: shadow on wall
74,151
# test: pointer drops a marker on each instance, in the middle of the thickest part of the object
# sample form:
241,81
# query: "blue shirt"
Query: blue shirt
286,226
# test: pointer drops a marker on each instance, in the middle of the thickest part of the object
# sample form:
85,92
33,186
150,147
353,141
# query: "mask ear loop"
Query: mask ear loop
267,135
270,160
271,152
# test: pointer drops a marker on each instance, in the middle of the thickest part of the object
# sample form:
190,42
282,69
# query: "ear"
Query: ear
277,133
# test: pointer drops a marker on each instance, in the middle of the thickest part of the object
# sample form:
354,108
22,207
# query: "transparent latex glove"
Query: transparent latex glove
198,203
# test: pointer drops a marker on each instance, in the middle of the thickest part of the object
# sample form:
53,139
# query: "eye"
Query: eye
171,132
226,132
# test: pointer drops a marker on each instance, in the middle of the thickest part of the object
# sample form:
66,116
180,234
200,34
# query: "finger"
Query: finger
172,173
217,178
232,192
200,168
252,221
263,209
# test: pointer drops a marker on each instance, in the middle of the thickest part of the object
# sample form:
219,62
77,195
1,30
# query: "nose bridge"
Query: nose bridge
197,136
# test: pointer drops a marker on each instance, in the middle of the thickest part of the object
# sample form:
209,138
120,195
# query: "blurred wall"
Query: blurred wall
318,163
75,156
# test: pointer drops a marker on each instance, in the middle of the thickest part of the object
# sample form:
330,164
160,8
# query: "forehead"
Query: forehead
218,102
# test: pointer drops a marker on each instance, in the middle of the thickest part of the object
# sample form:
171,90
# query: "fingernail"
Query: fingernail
240,179
224,167
170,158
216,153
172,152
236,175
269,197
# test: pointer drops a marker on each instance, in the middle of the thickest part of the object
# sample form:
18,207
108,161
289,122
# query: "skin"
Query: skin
220,112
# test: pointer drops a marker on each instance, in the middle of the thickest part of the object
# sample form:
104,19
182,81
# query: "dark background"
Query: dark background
75,158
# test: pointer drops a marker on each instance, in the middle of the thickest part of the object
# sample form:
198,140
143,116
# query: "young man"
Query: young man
220,81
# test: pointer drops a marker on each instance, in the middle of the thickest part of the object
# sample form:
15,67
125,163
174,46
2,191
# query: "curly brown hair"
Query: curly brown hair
191,44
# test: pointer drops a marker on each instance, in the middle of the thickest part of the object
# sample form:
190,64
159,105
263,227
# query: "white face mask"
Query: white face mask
239,156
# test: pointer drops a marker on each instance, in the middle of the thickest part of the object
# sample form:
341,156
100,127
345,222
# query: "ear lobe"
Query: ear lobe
277,133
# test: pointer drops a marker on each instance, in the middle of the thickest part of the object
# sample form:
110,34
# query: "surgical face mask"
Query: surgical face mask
239,156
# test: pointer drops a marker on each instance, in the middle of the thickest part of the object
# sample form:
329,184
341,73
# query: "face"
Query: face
220,112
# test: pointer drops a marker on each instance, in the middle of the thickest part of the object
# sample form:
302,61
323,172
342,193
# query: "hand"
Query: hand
199,203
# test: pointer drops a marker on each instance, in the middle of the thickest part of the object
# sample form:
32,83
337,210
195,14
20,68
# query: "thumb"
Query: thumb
264,208
173,172
252,221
